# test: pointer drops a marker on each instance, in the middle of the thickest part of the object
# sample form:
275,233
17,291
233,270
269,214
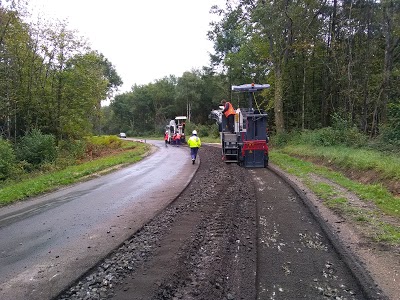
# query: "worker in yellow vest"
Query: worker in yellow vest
194,144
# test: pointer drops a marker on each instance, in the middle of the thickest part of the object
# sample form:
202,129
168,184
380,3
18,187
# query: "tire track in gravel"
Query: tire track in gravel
233,233
296,258
203,246
213,231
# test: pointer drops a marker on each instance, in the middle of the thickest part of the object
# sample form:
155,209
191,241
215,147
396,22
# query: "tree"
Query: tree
188,94
84,87
163,96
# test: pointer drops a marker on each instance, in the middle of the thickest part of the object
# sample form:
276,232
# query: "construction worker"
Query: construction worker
229,113
194,144
166,138
174,139
178,139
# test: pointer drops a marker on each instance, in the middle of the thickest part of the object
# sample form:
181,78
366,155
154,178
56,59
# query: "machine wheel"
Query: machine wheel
266,163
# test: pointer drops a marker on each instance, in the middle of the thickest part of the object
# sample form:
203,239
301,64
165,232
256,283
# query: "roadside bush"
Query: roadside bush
189,128
96,145
7,159
329,136
387,141
281,139
214,131
73,149
320,137
389,138
69,152
36,148
342,133
346,133
202,130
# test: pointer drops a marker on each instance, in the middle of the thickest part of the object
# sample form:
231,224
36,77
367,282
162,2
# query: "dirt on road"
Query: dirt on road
233,233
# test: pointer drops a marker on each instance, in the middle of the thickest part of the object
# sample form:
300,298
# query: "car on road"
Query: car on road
122,135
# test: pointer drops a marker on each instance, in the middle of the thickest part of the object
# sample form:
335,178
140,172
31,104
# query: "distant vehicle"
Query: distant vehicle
122,135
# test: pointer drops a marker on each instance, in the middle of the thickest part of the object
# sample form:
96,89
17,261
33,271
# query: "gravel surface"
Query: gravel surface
233,233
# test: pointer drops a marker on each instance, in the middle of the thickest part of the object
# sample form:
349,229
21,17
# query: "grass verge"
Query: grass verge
384,202
15,191
387,166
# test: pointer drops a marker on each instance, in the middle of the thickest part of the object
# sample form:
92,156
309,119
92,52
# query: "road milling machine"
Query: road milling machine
176,126
248,144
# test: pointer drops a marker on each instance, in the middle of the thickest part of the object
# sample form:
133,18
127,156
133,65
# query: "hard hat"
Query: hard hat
194,132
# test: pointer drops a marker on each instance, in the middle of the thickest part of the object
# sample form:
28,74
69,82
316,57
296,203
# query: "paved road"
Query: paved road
48,242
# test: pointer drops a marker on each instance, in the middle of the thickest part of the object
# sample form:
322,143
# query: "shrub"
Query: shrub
202,130
389,138
7,159
281,139
214,131
341,133
37,148
72,149
95,145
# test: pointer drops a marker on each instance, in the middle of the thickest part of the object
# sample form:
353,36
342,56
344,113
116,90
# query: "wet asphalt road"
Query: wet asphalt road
48,242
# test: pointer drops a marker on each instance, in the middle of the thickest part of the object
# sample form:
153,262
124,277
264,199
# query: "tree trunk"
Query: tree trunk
278,97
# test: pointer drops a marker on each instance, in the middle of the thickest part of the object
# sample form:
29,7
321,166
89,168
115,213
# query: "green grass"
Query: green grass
14,191
367,192
322,189
375,193
337,203
388,233
388,166
208,139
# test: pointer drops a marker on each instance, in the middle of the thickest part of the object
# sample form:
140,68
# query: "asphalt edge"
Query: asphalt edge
101,259
363,277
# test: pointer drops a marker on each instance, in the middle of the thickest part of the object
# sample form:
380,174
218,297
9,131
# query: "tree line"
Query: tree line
324,60
50,79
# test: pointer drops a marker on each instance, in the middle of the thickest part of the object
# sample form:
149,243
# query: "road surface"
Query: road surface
46,243
233,233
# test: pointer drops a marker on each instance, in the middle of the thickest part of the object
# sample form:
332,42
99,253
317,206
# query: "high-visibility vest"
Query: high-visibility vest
230,110
194,142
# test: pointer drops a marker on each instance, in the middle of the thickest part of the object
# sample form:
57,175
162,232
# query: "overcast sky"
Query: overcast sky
144,40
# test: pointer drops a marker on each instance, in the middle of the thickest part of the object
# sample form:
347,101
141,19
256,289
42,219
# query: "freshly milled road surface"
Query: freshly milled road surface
48,242
233,233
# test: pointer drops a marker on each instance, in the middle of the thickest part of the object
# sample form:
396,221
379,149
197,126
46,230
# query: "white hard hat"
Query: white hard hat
194,132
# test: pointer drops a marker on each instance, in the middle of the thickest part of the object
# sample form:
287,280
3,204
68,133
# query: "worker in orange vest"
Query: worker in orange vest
166,138
229,113
178,139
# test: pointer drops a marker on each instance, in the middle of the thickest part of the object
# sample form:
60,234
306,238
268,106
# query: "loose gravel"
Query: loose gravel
209,242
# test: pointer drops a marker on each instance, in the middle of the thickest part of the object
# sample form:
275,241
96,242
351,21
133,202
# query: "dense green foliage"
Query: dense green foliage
36,152
36,148
7,159
147,109
321,59
50,80
325,61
